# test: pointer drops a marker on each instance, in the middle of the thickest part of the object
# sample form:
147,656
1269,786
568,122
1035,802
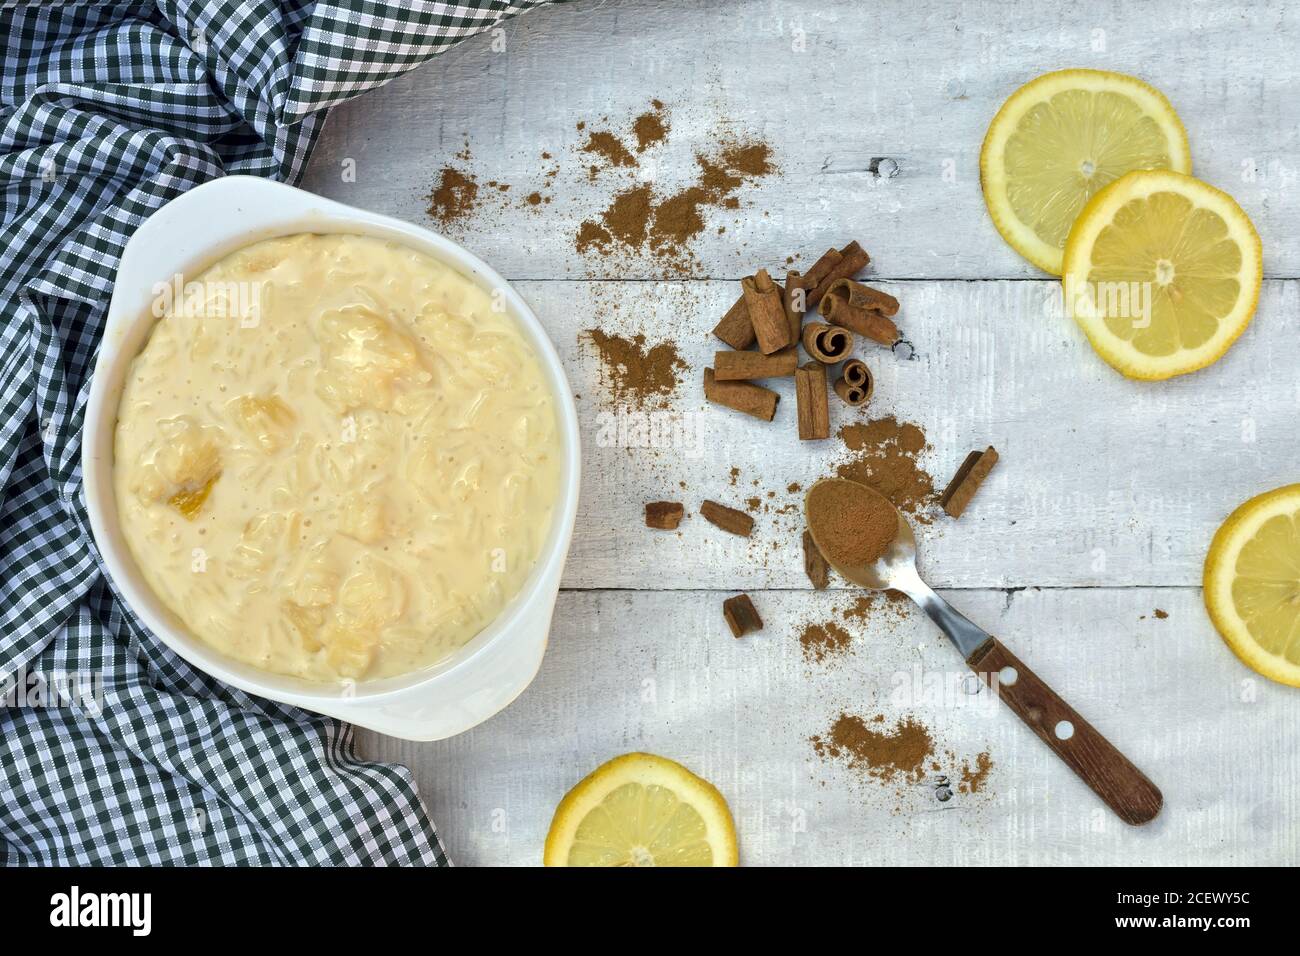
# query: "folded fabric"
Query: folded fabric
107,111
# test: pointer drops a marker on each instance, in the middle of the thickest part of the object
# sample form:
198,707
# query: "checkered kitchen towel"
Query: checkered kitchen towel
107,111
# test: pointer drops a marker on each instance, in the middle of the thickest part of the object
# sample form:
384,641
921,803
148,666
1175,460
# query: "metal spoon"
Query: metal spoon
1121,785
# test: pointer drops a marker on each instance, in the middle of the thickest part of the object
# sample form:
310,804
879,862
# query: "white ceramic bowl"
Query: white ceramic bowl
186,236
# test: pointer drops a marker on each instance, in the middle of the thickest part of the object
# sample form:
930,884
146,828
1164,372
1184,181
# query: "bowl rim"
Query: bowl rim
297,211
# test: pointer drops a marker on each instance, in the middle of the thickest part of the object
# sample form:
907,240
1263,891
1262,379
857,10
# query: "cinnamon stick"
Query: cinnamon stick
728,519
741,616
735,328
827,344
855,383
734,366
957,496
814,406
871,325
814,565
663,515
853,259
742,396
766,312
821,268
864,297
794,296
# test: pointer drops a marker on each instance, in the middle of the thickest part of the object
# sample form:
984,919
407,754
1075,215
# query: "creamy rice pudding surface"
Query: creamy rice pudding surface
335,458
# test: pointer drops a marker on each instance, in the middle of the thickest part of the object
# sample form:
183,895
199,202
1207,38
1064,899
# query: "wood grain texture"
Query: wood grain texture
881,147
661,672
1110,775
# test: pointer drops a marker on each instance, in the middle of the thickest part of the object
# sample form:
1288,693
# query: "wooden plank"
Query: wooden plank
1103,481
1167,692
875,114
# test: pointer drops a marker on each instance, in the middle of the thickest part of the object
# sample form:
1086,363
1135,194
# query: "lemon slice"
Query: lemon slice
1059,140
1252,583
642,810
1163,273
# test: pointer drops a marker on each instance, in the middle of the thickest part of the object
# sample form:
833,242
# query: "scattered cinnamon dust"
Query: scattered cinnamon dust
884,457
820,641
637,374
454,197
877,751
1161,614
607,146
650,129
974,778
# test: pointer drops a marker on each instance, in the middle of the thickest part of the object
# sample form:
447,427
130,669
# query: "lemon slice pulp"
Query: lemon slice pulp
1163,273
642,810
1252,583
1060,139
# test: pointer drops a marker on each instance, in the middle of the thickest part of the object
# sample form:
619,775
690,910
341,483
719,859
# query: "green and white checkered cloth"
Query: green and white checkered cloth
107,111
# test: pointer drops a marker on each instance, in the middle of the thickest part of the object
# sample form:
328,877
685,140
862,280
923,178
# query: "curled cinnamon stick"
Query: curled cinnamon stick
871,325
814,405
864,297
855,383
742,396
766,312
794,296
857,374
734,366
735,328
821,268
827,344
853,259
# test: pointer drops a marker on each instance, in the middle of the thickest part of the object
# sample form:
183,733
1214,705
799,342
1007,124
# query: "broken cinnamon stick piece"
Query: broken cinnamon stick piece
853,259
957,496
766,312
814,404
814,565
663,515
870,325
741,616
734,366
728,519
827,344
742,396
864,297
735,328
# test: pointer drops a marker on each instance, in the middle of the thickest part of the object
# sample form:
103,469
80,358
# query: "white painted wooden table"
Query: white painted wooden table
1100,512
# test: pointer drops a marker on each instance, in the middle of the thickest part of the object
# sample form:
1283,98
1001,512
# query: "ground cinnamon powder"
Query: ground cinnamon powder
607,146
454,197
877,751
853,526
974,778
884,456
635,373
650,128
820,641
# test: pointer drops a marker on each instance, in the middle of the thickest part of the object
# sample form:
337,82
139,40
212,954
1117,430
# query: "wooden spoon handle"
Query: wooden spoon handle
1123,787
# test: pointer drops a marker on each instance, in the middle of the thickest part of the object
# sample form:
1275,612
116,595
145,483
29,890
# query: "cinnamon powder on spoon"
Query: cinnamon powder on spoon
853,525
